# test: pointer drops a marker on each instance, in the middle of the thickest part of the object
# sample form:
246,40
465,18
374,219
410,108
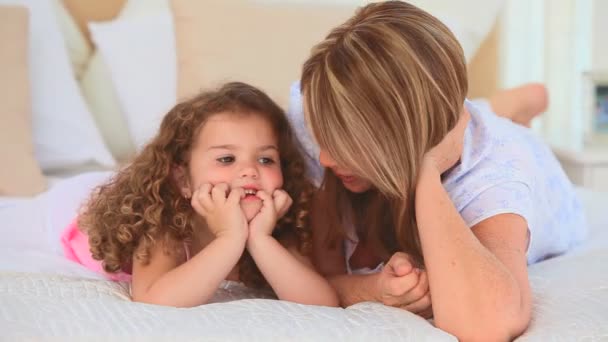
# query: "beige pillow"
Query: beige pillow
20,174
261,44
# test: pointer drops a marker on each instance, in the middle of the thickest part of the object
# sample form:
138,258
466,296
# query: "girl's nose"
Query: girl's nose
249,171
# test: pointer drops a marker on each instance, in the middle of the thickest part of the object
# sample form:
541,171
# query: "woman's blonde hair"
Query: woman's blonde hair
143,205
379,92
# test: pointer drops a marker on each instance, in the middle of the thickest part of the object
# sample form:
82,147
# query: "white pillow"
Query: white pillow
141,59
65,135
36,223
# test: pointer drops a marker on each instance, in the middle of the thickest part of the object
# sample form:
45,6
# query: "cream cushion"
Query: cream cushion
261,44
79,49
265,42
99,92
20,174
65,134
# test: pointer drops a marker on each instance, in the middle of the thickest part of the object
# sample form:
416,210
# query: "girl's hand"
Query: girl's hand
447,153
282,202
220,207
402,285
272,209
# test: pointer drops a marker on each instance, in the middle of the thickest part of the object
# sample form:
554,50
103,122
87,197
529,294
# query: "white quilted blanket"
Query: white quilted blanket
45,297
49,307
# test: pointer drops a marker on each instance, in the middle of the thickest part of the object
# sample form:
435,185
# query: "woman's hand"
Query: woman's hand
447,153
220,207
404,286
272,209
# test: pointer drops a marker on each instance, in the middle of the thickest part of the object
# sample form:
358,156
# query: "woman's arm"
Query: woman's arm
165,282
396,285
478,277
400,286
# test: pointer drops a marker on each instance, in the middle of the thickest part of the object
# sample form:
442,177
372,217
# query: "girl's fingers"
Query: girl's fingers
196,204
235,196
220,192
263,196
203,196
282,201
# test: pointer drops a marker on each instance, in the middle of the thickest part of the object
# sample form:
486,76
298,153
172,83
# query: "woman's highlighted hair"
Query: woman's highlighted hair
380,91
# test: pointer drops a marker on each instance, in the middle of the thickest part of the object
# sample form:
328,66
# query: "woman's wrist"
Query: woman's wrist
429,168
375,289
353,289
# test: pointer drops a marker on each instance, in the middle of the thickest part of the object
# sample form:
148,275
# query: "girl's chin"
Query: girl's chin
251,209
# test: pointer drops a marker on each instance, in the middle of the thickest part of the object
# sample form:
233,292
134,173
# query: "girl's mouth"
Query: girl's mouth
250,194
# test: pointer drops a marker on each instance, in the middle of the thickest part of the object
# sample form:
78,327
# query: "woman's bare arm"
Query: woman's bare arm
478,277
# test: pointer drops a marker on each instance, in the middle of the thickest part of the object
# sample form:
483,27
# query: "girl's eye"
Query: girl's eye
266,161
226,159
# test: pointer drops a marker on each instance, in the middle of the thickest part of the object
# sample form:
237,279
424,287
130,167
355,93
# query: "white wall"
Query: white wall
551,41
600,35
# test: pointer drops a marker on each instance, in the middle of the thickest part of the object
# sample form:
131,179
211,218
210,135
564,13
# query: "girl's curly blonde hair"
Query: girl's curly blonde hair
142,204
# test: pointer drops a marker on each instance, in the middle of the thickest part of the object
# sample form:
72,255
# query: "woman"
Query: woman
426,197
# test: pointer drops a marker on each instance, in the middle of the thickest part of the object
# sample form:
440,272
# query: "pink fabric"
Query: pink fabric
76,248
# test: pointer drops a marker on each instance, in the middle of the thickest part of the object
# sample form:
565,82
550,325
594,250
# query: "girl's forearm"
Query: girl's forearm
195,281
290,279
470,287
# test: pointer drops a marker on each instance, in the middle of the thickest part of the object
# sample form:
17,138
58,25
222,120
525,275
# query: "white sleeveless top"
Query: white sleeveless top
504,168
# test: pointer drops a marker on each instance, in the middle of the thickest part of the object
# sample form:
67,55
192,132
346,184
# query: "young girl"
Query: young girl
208,199
428,203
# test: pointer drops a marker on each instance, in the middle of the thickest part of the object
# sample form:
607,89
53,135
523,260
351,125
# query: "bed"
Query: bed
43,296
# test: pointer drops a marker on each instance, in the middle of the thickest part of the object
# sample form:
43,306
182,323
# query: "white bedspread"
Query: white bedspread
45,297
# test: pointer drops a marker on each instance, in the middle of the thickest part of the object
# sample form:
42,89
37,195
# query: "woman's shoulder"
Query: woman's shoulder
496,151
492,146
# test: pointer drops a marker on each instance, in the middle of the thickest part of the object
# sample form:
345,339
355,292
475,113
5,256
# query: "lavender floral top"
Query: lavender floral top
504,168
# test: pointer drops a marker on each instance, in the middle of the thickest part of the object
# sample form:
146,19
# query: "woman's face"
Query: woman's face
351,181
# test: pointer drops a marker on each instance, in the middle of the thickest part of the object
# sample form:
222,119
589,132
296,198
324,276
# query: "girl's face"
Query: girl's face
240,150
351,182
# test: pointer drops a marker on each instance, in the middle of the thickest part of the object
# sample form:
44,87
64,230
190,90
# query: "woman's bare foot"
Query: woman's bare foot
521,104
